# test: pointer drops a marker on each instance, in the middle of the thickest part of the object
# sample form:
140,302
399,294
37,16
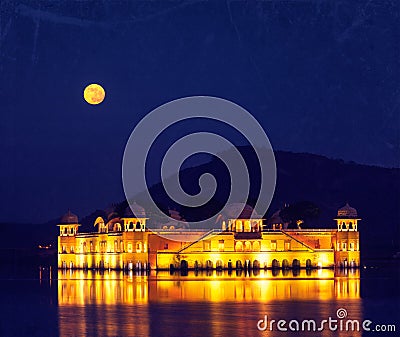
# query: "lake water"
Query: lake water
48,302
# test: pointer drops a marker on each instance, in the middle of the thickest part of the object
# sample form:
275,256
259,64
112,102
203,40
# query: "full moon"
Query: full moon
94,94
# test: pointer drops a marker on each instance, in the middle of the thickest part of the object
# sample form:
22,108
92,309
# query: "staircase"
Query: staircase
300,239
211,232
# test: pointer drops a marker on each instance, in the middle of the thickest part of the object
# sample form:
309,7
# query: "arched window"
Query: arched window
138,225
209,264
275,263
247,246
285,264
350,225
139,247
131,226
239,264
221,245
296,264
256,246
256,227
239,246
219,265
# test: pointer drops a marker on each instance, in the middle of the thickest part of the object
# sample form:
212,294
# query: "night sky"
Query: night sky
320,78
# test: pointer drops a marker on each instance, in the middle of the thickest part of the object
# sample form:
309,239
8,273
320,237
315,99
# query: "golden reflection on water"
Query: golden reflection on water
80,287
112,303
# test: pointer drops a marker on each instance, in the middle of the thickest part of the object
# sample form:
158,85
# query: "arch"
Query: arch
296,264
184,264
239,264
239,226
256,226
239,246
172,227
256,246
209,264
130,226
256,264
219,265
285,264
350,225
247,246
275,264
308,264
138,225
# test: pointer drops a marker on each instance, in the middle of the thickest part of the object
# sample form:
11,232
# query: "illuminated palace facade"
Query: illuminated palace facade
124,242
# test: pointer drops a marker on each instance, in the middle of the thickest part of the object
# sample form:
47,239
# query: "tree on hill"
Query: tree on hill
300,214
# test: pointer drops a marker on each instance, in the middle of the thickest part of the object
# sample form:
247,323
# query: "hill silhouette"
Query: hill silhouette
328,183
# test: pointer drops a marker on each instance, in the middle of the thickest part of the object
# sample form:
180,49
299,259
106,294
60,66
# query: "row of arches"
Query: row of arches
247,246
247,264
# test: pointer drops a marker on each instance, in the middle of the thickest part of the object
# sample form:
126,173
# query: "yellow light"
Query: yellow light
94,94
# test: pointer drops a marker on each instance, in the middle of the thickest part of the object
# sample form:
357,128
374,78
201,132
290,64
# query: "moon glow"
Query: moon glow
94,94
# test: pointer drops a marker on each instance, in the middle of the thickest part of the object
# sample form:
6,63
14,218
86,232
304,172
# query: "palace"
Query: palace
124,242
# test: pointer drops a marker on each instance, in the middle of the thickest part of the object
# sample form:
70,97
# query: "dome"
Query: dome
69,218
134,211
347,212
240,211
112,215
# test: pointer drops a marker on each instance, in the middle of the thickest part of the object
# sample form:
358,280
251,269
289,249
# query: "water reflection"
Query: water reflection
114,287
112,303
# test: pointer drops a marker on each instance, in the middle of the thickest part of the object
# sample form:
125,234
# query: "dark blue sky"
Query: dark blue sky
320,77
